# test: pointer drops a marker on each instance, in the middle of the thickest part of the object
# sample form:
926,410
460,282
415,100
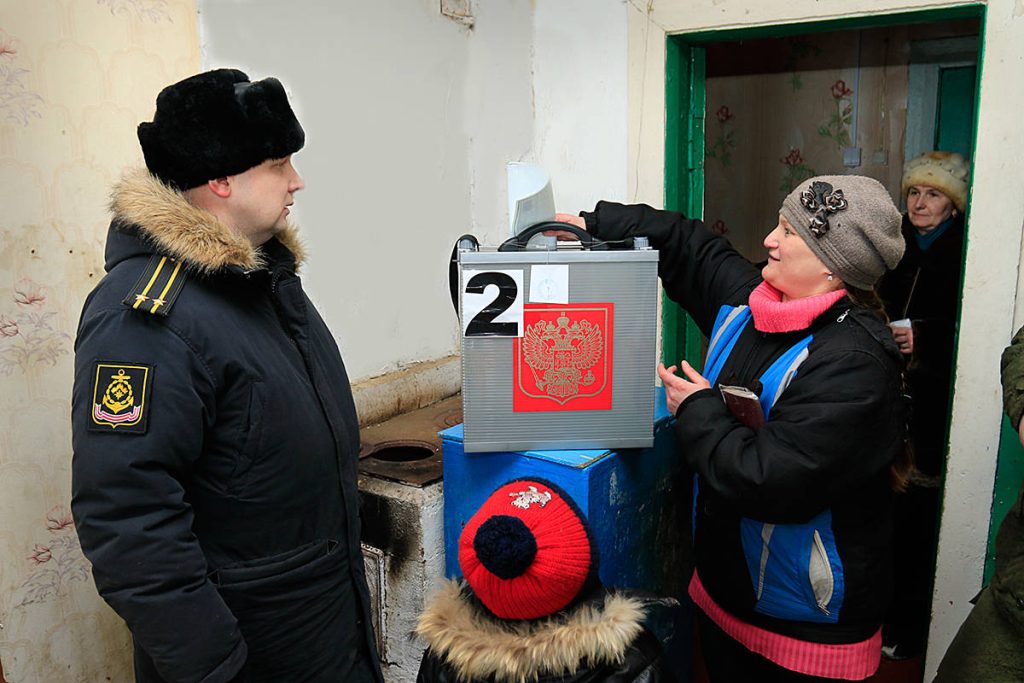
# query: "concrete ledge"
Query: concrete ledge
381,398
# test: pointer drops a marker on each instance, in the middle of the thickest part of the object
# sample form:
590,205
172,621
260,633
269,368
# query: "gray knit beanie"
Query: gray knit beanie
850,223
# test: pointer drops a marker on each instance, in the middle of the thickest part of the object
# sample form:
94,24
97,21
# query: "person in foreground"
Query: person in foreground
215,437
531,607
922,295
792,527
988,645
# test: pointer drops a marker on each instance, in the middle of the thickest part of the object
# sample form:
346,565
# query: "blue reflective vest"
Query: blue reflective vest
795,569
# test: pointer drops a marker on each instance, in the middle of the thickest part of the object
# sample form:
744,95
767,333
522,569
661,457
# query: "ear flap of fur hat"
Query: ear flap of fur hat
947,172
216,124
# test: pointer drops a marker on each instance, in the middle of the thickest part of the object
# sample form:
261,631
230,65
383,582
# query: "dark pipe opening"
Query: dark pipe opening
402,451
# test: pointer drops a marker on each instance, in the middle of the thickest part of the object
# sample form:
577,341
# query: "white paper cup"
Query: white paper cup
902,323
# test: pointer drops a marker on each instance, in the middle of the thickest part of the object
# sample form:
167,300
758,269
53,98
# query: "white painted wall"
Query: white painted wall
390,104
410,118
993,256
581,91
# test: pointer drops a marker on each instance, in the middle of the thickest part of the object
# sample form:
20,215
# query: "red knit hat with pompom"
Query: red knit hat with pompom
527,552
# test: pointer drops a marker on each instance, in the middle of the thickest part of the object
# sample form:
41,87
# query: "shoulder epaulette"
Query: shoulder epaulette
157,287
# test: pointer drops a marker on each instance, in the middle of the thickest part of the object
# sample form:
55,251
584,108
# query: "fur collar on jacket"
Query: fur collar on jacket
478,646
184,231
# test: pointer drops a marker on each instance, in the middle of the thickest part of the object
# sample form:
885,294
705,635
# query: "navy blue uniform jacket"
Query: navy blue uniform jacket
215,446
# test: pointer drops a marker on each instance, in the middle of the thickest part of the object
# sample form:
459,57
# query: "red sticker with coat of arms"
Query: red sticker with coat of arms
563,361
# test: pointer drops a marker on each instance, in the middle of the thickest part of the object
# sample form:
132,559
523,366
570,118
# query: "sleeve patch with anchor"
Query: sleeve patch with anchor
120,398
157,287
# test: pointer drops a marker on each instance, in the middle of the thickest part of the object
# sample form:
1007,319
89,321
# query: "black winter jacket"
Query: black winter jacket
925,287
214,472
827,446
613,637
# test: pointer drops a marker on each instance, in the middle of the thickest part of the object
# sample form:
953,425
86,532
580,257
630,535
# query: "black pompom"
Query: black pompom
505,546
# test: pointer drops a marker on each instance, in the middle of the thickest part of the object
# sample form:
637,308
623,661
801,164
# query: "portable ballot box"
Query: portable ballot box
558,349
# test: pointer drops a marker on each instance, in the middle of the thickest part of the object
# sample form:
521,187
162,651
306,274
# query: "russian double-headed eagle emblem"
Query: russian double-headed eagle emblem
564,355
558,354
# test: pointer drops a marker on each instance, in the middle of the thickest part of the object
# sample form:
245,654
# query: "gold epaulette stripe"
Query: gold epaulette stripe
156,277
162,299
149,285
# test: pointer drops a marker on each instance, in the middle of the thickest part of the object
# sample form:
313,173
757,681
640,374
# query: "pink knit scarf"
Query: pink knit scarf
772,314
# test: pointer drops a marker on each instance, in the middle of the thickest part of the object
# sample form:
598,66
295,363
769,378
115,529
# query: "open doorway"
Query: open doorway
753,113
780,110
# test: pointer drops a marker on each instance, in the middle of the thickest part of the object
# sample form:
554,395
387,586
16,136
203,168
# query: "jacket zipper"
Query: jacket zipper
819,550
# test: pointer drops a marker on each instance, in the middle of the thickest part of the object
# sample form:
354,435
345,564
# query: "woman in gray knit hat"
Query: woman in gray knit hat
792,528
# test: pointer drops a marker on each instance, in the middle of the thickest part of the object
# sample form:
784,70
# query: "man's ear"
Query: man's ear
220,187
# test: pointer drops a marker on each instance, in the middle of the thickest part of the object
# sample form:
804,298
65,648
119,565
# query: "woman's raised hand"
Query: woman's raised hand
678,389
572,220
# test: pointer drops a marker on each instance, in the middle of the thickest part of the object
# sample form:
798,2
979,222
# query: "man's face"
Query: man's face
260,198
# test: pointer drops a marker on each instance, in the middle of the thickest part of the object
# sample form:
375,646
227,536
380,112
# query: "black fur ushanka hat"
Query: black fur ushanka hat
217,124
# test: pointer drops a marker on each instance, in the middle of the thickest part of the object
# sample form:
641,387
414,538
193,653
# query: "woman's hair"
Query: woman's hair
869,299
900,469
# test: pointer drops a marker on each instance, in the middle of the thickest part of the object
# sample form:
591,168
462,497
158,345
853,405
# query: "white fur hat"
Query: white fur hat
947,172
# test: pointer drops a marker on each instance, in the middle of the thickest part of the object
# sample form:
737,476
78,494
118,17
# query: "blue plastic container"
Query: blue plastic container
636,501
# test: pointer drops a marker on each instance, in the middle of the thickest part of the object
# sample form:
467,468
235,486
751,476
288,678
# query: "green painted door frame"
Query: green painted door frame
684,181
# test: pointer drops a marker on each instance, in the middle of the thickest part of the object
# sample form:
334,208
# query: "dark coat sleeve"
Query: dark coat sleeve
132,515
833,428
699,269
1012,365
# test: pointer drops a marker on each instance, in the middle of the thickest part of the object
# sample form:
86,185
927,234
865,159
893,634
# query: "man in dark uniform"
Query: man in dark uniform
215,437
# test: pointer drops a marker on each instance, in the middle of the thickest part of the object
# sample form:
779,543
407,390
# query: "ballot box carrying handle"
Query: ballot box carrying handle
518,243
464,243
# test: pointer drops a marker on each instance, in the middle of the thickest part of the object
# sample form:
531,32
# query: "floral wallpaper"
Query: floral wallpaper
28,335
57,561
18,104
76,77
780,111
152,10
796,170
721,142
837,128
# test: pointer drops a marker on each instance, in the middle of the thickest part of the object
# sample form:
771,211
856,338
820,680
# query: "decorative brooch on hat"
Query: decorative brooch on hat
823,200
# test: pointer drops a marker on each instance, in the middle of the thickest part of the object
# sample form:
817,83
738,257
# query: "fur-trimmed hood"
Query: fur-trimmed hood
173,226
478,646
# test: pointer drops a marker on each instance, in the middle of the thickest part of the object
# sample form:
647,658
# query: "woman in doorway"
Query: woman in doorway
921,296
792,520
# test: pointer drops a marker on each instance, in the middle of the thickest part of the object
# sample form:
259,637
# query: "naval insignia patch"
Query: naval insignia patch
120,396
